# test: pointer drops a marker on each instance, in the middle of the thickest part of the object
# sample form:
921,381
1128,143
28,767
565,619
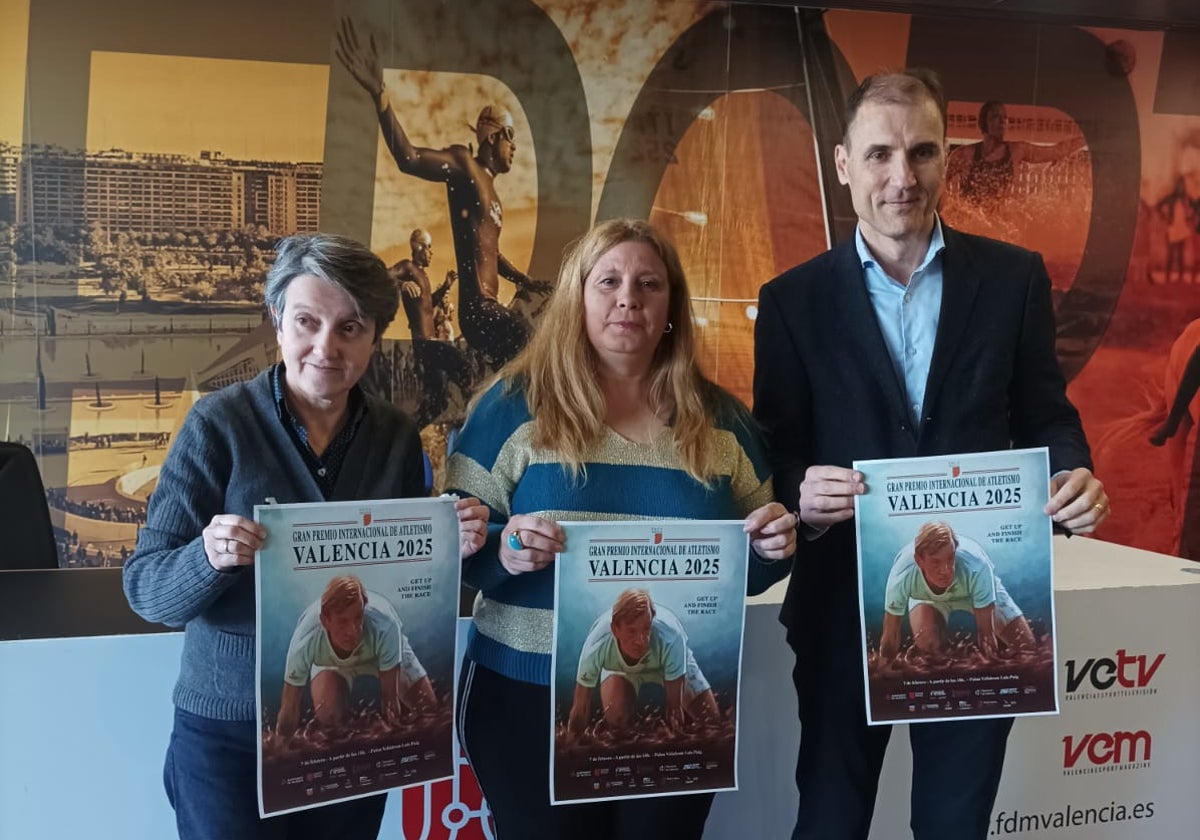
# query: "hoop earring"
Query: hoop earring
670,327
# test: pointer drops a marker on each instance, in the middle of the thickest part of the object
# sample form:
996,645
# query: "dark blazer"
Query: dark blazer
826,392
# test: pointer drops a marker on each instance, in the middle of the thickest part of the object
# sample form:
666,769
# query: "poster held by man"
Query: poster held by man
956,586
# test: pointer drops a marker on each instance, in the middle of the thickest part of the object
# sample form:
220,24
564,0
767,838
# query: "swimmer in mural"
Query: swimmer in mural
984,170
440,363
476,215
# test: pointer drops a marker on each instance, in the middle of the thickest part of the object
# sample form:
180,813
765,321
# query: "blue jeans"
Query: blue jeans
211,779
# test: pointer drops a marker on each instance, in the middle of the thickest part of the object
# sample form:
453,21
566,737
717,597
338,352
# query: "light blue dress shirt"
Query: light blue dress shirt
908,315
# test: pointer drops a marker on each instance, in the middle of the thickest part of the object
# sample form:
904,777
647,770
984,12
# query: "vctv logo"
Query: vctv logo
1127,671
1107,750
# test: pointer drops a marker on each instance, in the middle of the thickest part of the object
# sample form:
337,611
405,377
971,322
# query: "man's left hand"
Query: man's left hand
1077,501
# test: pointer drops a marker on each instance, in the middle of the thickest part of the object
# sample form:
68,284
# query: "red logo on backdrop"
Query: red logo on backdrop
449,810
955,470
657,536
1126,670
366,518
1106,748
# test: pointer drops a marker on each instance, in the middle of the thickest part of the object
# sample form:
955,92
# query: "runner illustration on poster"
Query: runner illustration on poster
357,608
646,660
955,576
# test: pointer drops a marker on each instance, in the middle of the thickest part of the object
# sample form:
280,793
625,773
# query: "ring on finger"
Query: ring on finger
514,540
1098,507
227,544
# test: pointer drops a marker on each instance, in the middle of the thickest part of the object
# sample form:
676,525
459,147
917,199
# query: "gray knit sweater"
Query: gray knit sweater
231,453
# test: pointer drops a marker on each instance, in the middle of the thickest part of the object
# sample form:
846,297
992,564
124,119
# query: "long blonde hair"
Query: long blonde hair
557,368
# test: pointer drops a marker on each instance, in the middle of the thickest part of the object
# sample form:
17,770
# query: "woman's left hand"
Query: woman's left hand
772,530
472,525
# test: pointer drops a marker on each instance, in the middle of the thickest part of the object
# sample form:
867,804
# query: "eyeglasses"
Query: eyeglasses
508,133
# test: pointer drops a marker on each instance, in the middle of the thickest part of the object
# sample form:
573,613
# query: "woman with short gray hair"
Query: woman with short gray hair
341,261
303,430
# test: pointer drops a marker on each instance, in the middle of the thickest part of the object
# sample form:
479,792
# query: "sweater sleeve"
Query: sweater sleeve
477,467
753,488
169,579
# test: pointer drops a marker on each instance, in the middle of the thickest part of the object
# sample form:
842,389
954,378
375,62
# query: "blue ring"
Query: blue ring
514,541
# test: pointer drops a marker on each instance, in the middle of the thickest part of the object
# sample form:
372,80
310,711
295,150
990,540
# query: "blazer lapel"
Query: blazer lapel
865,339
960,285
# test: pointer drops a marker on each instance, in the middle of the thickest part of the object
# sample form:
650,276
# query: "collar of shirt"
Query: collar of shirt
326,466
908,315
937,244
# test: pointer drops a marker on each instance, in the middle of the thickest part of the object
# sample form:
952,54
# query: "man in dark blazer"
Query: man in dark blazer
911,340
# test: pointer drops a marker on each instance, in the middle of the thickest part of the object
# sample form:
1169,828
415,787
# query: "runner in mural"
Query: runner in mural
1180,384
1179,215
476,214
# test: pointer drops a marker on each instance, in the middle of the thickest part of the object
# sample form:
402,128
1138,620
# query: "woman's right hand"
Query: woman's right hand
540,539
231,540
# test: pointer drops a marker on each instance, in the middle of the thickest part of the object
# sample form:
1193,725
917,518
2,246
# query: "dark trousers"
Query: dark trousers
956,765
504,726
211,779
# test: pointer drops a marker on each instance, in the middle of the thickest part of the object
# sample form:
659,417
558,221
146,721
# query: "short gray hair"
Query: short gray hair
342,261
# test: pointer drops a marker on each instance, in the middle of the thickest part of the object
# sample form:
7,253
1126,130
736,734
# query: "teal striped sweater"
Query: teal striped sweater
495,460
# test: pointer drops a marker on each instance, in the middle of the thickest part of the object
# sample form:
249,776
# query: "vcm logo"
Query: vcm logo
1107,748
1130,671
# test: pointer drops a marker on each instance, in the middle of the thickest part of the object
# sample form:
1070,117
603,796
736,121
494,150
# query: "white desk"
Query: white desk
85,723
1108,598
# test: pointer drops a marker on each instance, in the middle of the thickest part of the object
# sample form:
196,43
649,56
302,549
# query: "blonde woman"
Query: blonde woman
604,415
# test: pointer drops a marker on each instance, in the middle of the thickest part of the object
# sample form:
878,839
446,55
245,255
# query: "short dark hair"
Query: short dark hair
342,261
900,87
985,111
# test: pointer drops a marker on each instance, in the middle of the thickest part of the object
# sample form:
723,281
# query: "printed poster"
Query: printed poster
955,574
646,660
356,617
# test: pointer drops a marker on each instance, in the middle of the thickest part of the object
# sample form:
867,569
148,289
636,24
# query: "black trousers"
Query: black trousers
956,765
504,726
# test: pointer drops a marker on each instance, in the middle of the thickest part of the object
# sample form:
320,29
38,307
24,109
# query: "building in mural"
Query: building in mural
131,192
136,225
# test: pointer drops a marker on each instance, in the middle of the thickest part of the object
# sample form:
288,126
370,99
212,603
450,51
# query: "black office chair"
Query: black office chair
28,541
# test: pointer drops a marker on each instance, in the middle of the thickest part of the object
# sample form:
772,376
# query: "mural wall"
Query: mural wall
149,161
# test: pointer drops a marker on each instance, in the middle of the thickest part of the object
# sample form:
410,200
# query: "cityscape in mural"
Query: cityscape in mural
135,232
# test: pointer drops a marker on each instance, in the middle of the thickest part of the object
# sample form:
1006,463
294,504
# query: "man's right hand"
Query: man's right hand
827,495
362,63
